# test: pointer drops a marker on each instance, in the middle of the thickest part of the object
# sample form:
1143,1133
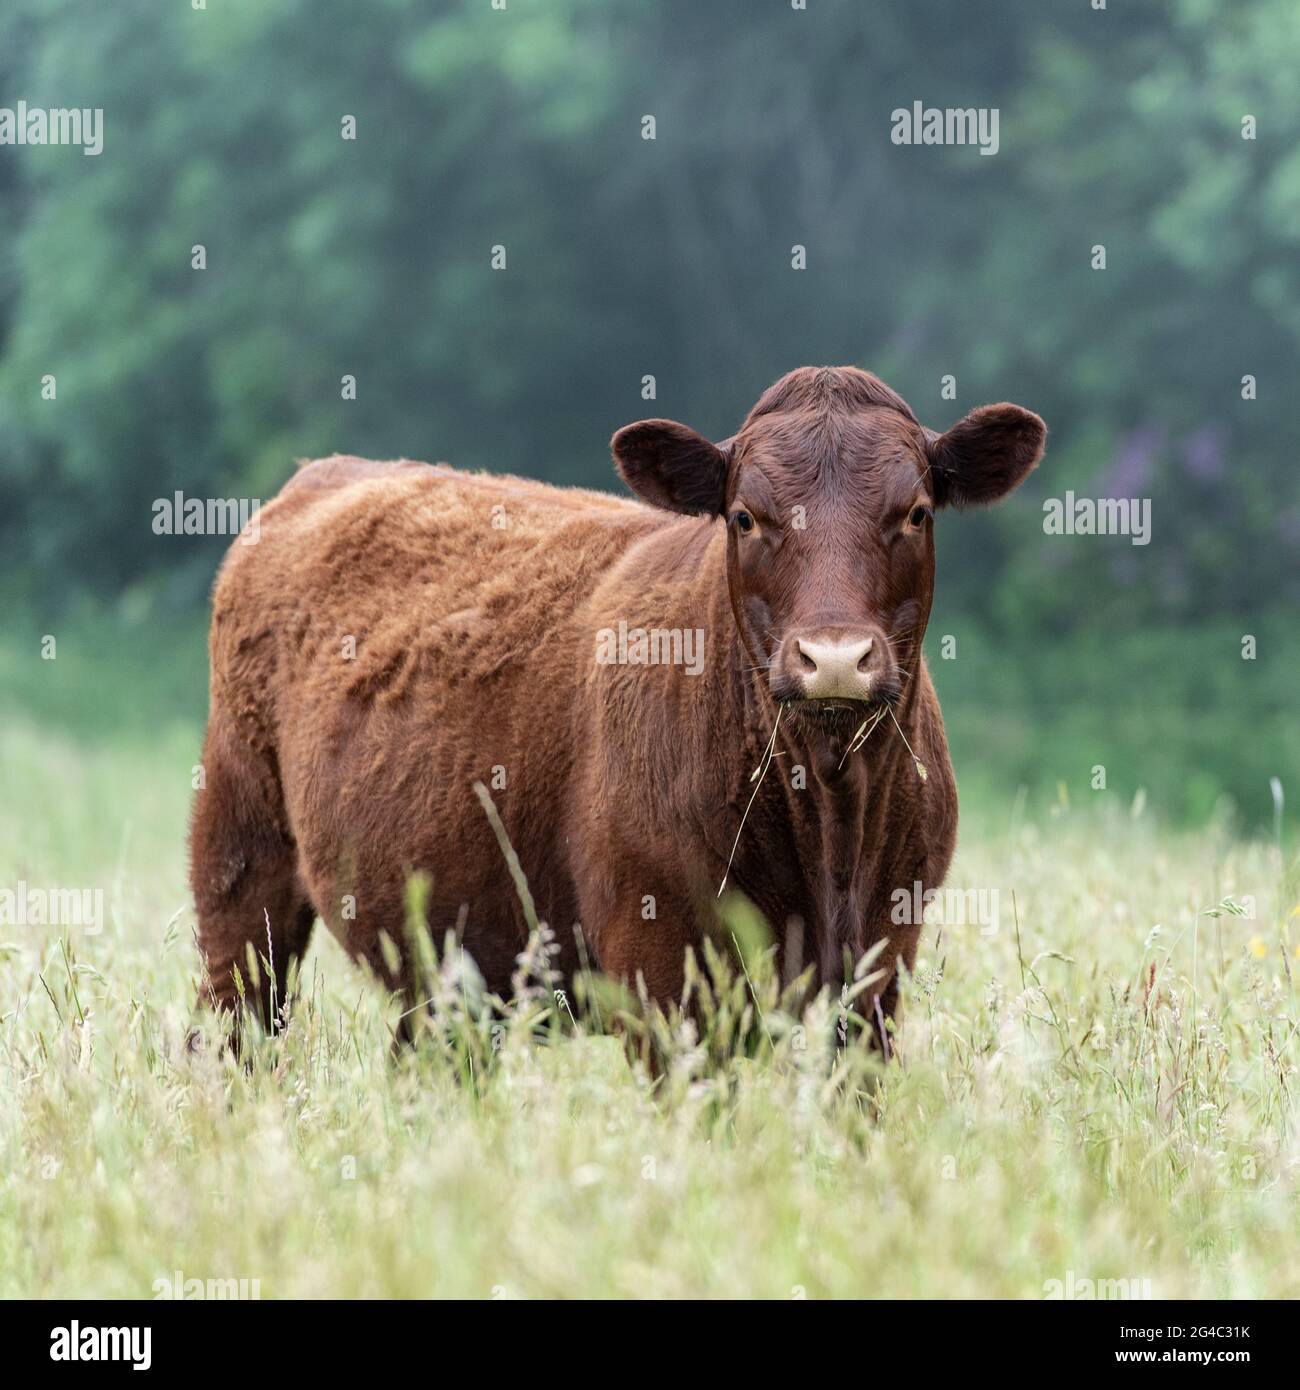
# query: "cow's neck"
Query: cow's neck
829,803
837,820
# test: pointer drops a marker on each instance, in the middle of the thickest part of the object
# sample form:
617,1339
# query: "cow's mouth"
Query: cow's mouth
885,694
836,715
833,706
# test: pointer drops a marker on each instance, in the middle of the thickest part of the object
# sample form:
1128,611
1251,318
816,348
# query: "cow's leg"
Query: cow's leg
244,875
881,1003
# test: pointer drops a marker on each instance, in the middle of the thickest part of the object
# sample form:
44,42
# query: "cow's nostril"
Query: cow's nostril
866,652
806,662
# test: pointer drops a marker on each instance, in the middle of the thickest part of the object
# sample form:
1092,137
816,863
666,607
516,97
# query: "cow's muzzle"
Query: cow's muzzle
836,664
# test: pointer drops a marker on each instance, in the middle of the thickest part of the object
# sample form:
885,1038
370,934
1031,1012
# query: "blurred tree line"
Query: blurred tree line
627,257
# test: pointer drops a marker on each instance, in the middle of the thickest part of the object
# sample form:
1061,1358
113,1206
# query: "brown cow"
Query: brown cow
614,671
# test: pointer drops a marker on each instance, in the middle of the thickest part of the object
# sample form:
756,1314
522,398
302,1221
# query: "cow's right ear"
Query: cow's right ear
670,466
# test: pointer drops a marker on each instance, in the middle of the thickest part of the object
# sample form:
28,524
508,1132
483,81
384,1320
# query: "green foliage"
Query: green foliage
478,127
1100,1081
1174,715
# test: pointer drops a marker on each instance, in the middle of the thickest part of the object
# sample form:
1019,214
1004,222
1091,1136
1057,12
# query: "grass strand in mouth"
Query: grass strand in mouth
920,766
756,776
860,737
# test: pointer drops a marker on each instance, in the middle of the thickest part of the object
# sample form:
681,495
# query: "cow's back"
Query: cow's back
372,579
398,632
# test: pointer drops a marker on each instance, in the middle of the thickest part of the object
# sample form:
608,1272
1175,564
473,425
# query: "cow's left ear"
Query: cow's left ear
985,455
670,466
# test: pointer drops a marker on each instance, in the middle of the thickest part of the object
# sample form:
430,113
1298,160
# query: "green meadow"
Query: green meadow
1094,1082
494,235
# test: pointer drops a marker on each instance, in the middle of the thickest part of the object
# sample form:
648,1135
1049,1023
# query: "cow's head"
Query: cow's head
829,492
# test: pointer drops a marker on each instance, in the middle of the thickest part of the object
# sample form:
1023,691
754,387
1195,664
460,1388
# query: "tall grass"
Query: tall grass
1101,1083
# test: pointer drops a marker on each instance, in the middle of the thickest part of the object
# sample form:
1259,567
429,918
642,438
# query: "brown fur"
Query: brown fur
475,633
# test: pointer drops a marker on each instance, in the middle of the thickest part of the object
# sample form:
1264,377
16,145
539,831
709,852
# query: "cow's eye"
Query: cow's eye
744,523
920,515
